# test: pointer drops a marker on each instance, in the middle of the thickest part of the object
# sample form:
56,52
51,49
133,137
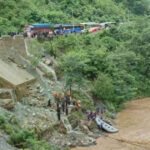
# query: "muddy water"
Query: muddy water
134,129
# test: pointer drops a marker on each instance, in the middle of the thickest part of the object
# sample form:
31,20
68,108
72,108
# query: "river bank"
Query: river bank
134,129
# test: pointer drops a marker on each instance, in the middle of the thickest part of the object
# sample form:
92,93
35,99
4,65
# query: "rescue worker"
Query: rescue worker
63,102
88,114
58,112
67,98
74,101
69,93
78,104
67,111
58,97
98,109
93,115
102,111
55,95
49,103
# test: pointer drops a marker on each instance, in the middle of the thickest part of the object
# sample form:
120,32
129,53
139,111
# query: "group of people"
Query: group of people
13,33
36,34
91,115
63,100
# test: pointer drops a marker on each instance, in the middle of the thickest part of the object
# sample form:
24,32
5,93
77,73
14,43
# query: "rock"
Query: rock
94,135
48,62
4,94
4,145
20,66
81,139
85,129
77,129
24,66
42,90
72,139
38,86
7,103
40,118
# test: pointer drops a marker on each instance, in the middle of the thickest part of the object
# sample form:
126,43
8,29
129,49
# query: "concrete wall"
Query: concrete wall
12,76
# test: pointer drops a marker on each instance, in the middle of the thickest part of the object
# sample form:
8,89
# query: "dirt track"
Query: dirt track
134,129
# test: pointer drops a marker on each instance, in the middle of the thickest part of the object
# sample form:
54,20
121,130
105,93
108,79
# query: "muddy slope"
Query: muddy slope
134,126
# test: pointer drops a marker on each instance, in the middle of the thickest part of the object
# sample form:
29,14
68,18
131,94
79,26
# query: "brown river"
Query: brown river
134,129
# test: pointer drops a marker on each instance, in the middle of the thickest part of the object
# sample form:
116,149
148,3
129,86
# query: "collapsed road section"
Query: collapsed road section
12,76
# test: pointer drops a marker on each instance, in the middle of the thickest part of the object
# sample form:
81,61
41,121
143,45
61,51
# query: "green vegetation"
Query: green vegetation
112,66
22,138
114,62
14,14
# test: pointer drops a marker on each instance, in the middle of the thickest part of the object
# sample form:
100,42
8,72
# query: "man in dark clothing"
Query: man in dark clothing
49,103
57,104
102,111
58,113
63,106
97,109
66,111
67,99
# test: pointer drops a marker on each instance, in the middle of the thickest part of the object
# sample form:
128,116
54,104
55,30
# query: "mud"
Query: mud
134,129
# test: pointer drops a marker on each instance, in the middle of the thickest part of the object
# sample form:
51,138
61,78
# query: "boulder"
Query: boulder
7,103
48,62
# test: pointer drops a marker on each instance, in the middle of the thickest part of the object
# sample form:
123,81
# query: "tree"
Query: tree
103,88
72,66
50,47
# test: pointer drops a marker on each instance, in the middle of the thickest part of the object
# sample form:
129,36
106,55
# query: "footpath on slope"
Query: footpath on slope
134,129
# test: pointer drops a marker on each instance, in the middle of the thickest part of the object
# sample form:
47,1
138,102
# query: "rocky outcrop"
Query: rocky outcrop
34,117
7,98
7,103
72,139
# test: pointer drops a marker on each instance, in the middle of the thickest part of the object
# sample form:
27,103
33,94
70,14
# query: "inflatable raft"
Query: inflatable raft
105,126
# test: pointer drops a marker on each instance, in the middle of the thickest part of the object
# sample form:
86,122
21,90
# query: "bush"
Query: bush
50,47
103,88
2,120
20,137
75,117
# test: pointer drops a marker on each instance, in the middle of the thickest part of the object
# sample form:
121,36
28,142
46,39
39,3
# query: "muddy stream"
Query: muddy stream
134,129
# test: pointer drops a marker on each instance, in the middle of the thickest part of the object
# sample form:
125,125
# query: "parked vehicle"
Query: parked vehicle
47,29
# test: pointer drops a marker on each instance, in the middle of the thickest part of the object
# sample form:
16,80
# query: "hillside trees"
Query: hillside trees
103,88
117,57
116,61
139,7
23,12
73,68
